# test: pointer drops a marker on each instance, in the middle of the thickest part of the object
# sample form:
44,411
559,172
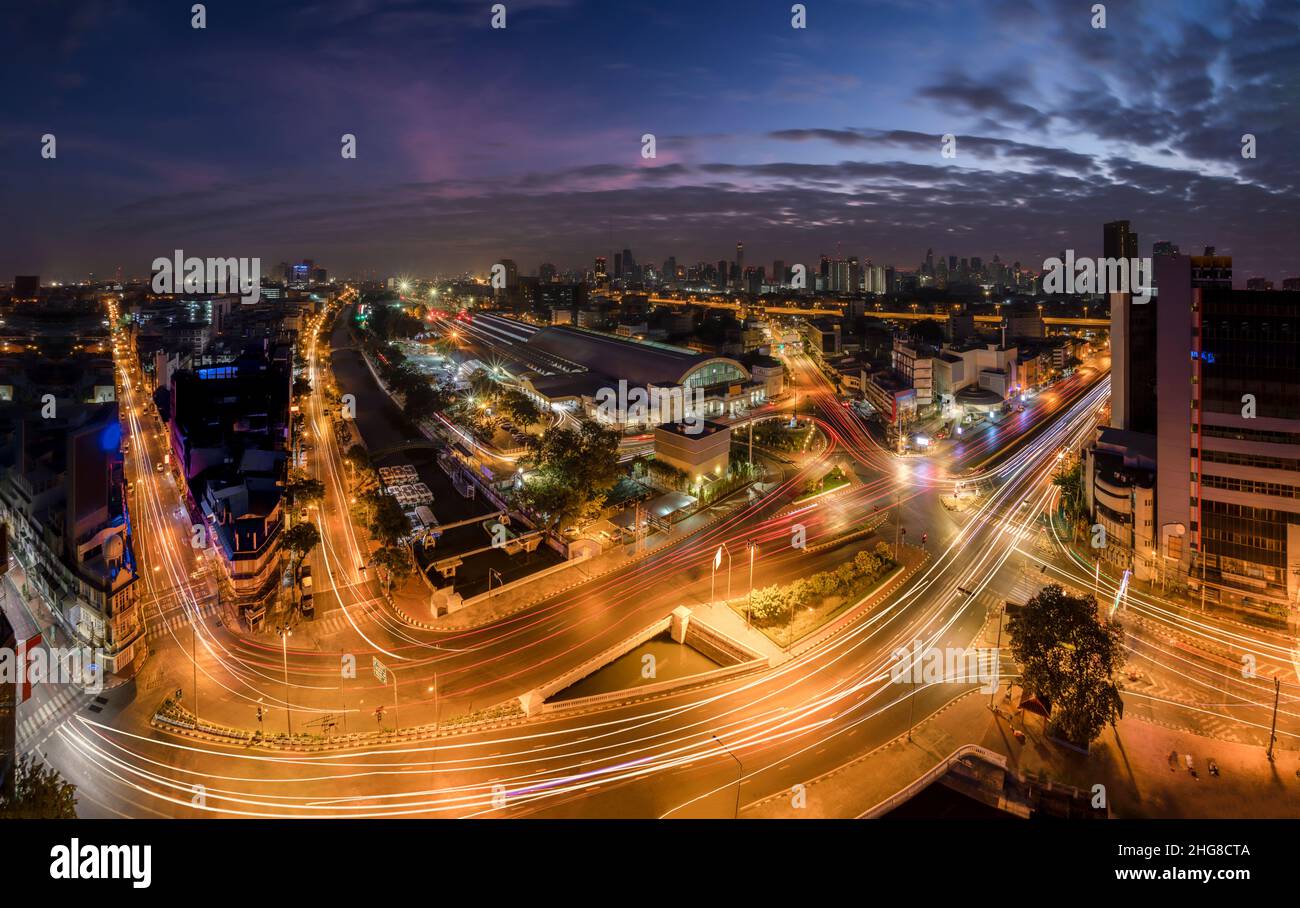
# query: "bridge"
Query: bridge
915,316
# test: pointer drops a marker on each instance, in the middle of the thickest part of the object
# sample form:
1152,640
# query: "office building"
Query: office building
1228,436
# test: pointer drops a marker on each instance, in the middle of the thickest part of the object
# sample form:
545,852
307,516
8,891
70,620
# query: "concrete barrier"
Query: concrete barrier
937,772
693,632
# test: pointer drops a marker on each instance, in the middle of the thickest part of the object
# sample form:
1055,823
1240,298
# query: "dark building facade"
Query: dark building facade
1228,437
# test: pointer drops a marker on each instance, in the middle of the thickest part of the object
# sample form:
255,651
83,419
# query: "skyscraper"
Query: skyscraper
1118,241
1227,496
1132,343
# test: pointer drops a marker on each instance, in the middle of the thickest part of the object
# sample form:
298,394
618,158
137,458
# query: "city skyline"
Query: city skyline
759,137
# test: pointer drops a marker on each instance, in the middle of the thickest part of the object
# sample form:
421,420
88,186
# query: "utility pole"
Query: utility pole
740,769
1272,732
343,702
194,659
898,519
997,651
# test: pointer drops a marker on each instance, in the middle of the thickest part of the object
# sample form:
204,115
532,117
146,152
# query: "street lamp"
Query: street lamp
285,632
749,604
903,476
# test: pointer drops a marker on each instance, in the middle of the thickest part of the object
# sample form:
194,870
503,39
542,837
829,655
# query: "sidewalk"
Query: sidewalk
1132,761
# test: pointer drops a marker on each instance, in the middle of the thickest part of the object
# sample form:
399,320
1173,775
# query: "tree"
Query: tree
39,793
1069,655
388,523
483,385
424,400
769,602
305,491
301,387
301,538
575,469
1069,479
359,456
445,345
396,560
520,407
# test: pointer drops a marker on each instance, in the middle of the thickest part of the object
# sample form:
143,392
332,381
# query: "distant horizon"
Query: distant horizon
269,275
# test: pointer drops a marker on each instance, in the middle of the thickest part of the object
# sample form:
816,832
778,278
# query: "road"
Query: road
686,753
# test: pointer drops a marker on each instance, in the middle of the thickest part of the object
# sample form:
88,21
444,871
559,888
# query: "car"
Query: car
130,488
306,605
159,467
302,514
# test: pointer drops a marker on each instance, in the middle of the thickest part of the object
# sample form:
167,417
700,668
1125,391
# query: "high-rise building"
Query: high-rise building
1132,343
1228,438
1118,241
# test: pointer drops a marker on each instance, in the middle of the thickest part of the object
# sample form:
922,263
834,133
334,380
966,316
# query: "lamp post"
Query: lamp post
285,632
740,769
749,604
903,476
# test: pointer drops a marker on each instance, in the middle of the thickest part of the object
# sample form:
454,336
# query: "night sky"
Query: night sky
476,144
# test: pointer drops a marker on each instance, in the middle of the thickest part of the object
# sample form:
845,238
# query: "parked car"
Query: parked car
307,606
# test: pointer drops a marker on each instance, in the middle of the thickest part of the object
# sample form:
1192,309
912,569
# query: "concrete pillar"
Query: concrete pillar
444,601
680,620
530,702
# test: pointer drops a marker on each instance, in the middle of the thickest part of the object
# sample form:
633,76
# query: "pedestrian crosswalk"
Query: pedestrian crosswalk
336,620
36,724
178,620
